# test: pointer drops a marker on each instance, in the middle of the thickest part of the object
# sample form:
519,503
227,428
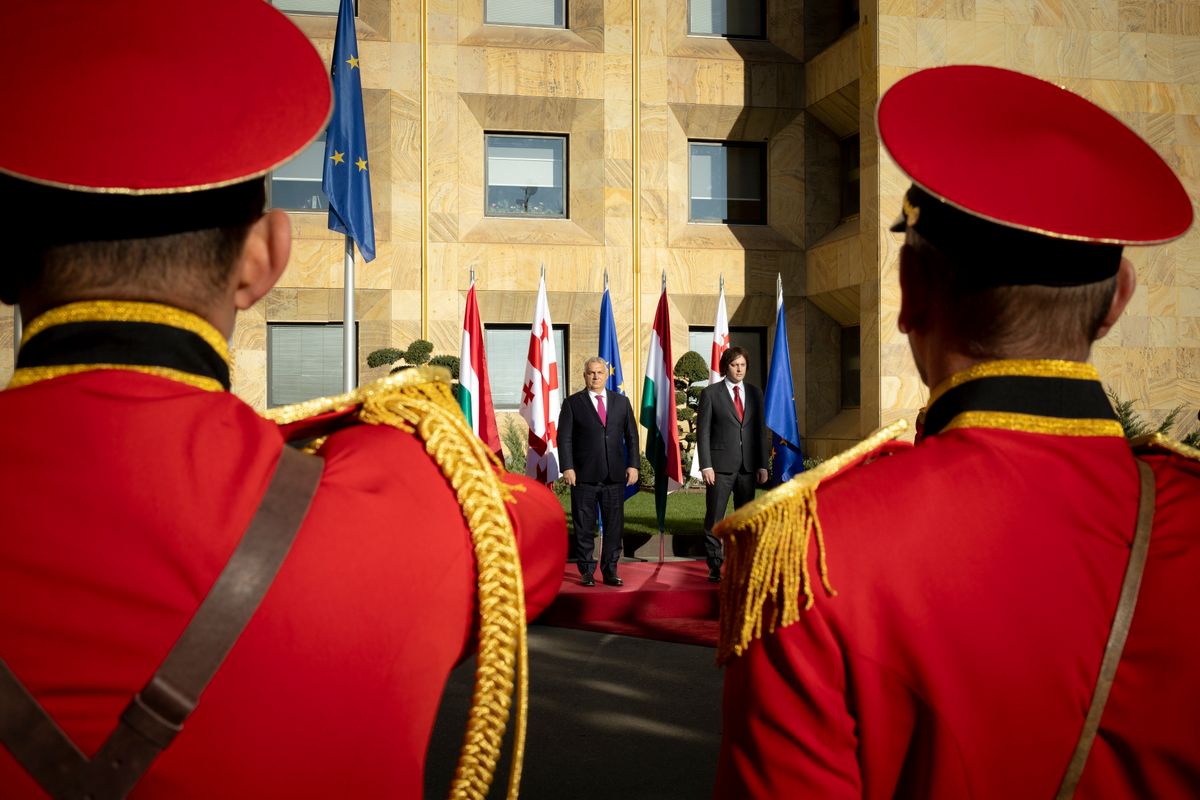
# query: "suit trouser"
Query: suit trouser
611,499
716,499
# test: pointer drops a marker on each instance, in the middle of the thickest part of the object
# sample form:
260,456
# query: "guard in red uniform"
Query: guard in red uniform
952,619
162,549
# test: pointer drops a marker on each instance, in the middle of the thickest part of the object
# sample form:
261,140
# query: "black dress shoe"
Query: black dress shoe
613,580
587,580
714,575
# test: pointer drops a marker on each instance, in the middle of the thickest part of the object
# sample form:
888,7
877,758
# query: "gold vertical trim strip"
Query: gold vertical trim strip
636,183
424,122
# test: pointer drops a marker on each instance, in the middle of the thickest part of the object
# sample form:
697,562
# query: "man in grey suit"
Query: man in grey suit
598,452
732,439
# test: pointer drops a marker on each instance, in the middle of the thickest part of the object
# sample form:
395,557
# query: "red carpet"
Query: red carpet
671,602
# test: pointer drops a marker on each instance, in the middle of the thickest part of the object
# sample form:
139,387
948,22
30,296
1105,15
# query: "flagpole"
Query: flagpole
17,333
636,187
662,537
424,123
349,351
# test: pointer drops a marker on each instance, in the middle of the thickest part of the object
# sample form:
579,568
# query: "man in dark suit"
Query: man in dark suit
598,451
732,440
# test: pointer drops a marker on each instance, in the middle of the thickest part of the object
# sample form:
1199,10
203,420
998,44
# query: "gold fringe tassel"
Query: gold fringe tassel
766,553
428,409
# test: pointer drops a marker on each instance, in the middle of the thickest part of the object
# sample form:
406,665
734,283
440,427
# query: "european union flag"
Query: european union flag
346,180
610,351
780,402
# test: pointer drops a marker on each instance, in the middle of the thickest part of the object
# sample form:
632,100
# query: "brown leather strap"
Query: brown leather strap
1117,635
156,714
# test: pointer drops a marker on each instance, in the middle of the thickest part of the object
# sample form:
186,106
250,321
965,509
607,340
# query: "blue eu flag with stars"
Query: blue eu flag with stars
780,404
610,351
346,180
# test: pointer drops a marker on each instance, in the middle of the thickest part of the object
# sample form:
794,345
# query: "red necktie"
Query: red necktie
600,410
737,402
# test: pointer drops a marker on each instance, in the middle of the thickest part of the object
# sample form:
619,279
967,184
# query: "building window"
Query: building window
296,185
525,175
728,182
851,374
849,176
309,6
848,12
534,13
304,360
752,339
507,354
742,19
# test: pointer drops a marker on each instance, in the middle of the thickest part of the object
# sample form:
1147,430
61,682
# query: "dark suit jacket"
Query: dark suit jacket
597,453
727,445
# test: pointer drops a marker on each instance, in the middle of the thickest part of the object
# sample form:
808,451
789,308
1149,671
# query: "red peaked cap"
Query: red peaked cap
155,97
997,157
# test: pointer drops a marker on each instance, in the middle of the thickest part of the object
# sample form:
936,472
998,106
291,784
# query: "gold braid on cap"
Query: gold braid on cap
766,552
419,401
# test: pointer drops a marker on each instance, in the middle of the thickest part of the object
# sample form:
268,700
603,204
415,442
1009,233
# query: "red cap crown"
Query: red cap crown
1026,154
149,97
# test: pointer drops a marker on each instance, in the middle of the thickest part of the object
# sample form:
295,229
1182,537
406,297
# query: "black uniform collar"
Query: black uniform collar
1062,398
141,337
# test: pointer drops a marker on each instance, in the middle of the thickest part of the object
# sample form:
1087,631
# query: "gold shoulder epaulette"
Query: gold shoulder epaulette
419,401
766,551
1156,441
392,384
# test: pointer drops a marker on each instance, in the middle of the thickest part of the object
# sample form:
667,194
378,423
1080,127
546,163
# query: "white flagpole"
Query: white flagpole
349,350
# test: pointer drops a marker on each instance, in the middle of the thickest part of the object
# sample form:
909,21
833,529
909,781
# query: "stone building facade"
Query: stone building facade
778,97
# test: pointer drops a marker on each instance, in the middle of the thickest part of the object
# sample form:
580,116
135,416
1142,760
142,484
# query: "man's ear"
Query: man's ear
914,299
264,257
1126,284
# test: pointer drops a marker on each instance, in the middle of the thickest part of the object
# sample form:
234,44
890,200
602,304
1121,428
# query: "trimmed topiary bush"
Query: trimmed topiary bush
449,362
418,352
691,367
387,355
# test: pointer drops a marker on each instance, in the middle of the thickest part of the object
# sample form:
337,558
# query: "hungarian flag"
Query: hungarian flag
541,395
474,392
658,411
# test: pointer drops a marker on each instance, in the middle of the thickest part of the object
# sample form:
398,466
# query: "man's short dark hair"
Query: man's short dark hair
730,355
1025,321
74,244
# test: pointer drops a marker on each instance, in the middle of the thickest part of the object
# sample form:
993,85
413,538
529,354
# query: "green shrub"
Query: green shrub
691,367
646,473
387,355
449,362
685,414
418,352
513,437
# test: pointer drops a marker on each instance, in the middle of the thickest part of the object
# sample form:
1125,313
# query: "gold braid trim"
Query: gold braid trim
427,409
1033,423
128,311
1033,368
766,552
26,376
1158,440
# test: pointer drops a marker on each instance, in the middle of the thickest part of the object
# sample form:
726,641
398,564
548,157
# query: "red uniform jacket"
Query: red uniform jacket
124,495
977,577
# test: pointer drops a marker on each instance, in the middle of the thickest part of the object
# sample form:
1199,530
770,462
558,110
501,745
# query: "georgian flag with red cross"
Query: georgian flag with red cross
541,395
